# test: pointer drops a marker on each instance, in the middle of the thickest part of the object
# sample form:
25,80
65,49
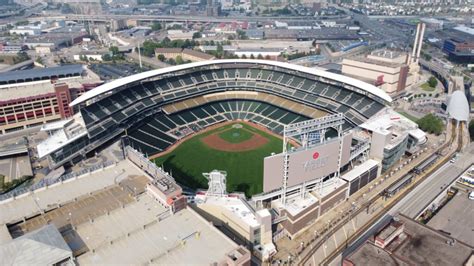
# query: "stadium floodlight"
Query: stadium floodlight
217,183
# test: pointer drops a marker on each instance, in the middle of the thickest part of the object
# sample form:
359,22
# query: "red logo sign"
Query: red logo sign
316,155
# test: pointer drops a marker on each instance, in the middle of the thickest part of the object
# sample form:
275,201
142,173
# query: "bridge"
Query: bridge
178,18
450,83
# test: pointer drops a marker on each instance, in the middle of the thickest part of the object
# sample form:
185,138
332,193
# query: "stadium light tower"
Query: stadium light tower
217,183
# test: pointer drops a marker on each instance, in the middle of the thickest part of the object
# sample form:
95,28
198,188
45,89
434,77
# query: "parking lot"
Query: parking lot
114,71
85,208
15,167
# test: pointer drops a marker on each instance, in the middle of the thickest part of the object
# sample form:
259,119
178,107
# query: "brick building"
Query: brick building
34,97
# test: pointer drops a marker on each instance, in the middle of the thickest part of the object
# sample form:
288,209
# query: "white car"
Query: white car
471,195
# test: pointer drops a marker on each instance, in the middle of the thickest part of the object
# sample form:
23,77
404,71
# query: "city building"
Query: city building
267,53
180,34
168,52
11,48
42,50
34,97
186,54
26,30
195,56
385,69
232,211
460,49
392,135
432,23
90,56
118,24
409,242
213,8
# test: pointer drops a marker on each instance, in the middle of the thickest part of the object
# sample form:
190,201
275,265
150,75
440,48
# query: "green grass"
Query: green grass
426,87
244,169
236,135
409,116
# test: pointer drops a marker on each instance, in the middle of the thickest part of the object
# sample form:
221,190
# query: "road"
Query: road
421,196
353,226
184,18
426,192
337,226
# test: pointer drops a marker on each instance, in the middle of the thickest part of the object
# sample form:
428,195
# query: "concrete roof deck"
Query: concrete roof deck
429,247
85,208
456,218
234,205
359,169
418,245
135,235
30,204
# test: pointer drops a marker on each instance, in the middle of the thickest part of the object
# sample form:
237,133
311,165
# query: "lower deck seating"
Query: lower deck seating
157,133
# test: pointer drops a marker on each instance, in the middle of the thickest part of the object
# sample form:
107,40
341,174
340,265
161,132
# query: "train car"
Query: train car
427,163
393,189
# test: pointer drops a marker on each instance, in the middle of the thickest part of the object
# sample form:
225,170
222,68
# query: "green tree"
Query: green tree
471,130
242,35
114,50
156,26
260,56
106,57
20,57
179,60
432,81
39,60
430,123
161,57
197,35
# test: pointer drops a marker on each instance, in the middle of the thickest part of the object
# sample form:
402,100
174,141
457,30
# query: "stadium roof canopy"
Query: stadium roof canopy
149,74
458,107
40,74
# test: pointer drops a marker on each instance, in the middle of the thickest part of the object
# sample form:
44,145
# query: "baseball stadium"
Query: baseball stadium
222,114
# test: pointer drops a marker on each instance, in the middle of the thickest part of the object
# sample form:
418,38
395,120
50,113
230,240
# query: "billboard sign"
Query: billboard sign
305,165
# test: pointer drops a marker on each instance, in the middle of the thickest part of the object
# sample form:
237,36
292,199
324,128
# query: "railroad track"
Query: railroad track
380,214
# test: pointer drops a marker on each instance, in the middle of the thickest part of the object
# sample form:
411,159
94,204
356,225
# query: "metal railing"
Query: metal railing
48,182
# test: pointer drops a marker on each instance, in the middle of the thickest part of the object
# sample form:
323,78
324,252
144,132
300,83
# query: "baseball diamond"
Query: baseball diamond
238,150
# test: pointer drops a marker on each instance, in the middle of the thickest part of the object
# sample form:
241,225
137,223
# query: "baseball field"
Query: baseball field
238,148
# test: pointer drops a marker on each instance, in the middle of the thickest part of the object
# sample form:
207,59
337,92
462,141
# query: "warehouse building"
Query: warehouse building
385,69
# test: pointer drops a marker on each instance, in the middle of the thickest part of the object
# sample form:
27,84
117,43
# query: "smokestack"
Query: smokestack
420,41
416,42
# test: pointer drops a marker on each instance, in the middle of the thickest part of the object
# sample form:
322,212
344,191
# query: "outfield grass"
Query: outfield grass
409,116
426,87
236,135
244,169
